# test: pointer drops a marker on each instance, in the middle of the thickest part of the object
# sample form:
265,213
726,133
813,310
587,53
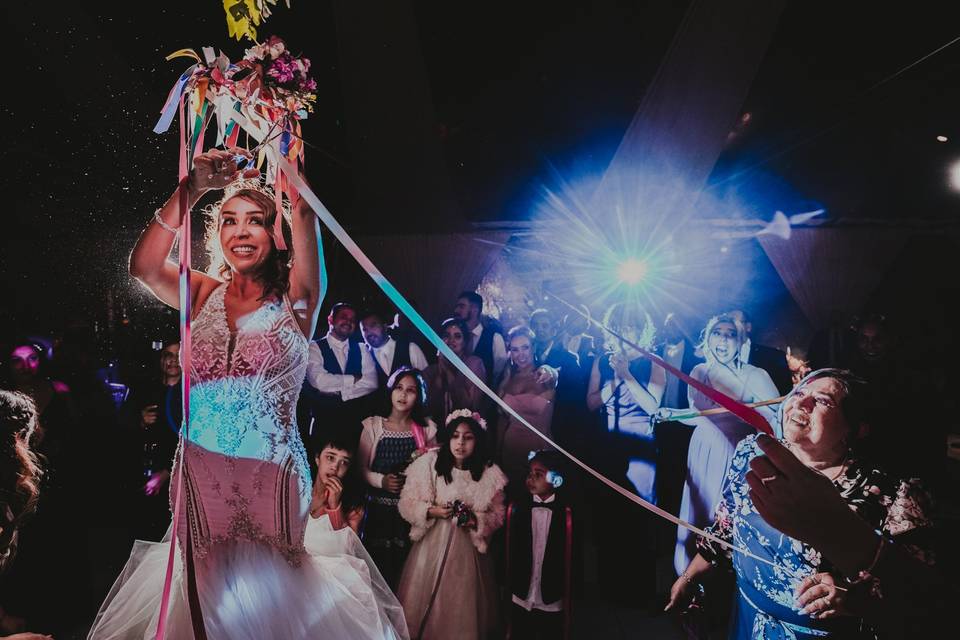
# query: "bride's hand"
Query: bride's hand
215,169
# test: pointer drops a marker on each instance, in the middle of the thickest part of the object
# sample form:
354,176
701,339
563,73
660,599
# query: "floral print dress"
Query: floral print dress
765,604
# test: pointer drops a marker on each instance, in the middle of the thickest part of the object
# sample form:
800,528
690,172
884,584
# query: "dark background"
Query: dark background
519,92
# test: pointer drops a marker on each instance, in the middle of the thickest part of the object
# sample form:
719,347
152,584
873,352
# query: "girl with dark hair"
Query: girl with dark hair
387,444
448,389
453,499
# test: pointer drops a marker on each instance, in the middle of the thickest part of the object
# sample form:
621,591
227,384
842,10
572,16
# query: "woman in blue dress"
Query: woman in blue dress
786,589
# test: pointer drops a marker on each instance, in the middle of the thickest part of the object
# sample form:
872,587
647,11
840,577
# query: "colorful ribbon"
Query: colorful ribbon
746,413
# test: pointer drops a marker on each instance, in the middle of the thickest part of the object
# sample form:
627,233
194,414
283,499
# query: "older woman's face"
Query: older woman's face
723,342
812,417
244,239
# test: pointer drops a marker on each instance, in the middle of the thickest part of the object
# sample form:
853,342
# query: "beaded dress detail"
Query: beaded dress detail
246,501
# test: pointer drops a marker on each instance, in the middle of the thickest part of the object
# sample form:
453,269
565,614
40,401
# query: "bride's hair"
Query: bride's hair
353,492
475,464
275,272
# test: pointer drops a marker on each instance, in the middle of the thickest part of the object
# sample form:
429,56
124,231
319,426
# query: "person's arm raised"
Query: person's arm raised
308,275
149,260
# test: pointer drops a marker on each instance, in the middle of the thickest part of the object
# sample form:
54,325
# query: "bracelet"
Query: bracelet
686,577
164,225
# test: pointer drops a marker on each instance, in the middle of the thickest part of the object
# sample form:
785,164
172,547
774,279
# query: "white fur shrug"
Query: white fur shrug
424,489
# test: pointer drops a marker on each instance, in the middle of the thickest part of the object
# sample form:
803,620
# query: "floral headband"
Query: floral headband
466,413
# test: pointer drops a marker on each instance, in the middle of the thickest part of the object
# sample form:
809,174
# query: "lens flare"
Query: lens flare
632,271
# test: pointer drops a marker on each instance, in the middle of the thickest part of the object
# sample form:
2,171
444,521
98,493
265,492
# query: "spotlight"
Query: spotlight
955,175
941,138
632,271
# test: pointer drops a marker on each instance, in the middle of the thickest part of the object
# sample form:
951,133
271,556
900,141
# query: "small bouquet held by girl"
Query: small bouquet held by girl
447,587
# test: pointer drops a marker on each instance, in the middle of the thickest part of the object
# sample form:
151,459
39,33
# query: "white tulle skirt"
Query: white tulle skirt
248,591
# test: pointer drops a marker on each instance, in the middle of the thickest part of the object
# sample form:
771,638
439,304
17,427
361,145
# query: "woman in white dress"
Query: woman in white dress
715,438
244,572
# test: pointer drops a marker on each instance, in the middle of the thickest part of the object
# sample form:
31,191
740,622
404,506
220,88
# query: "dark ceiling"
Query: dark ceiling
518,90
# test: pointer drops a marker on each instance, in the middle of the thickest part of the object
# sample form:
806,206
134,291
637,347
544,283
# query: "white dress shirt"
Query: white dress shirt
326,382
499,350
384,355
540,524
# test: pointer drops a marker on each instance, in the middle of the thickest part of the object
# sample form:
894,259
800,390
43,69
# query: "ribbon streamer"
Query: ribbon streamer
720,410
749,415
742,411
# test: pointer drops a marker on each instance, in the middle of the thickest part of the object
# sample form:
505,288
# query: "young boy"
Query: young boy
539,553
335,490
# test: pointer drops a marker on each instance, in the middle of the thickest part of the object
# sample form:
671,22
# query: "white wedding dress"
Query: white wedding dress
246,500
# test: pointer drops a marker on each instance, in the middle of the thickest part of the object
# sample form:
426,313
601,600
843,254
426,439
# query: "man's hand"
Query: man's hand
148,415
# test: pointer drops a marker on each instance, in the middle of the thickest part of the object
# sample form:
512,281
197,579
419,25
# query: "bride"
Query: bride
243,571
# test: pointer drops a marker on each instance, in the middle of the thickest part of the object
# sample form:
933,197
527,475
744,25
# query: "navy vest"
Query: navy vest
401,358
484,347
330,363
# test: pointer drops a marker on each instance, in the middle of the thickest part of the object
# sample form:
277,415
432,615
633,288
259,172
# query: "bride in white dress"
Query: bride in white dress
245,478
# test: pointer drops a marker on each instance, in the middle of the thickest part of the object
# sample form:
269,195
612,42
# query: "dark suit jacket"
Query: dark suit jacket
774,362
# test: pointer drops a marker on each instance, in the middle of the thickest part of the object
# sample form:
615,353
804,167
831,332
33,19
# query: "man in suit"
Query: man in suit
570,408
486,335
771,360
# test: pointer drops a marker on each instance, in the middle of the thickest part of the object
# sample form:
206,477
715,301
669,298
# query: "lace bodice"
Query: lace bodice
244,386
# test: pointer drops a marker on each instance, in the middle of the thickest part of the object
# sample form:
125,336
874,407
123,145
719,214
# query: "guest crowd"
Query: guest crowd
481,528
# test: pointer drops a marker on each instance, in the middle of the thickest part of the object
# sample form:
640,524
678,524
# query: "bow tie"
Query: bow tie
552,506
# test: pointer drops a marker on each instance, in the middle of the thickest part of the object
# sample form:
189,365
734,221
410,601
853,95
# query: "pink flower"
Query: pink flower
281,70
276,46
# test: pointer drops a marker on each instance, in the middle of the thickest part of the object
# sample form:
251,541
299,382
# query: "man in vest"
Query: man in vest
388,353
340,374
487,334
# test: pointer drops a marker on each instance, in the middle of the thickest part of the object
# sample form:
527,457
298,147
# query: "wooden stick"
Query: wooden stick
718,410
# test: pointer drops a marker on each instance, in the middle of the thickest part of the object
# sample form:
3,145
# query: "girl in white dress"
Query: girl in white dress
453,499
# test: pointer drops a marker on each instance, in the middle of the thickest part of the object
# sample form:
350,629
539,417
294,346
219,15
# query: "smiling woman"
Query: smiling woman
241,465
790,588
239,238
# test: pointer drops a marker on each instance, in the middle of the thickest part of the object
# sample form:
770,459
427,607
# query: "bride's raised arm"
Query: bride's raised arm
308,275
150,259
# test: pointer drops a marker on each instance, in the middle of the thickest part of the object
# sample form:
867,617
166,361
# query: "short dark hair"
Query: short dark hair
473,298
339,306
370,312
476,463
856,402
550,458
353,492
